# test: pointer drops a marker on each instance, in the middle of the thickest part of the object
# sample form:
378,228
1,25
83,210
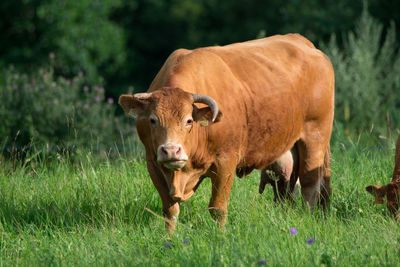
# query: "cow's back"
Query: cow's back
266,88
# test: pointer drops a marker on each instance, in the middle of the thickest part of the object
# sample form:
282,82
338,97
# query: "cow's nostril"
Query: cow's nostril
171,153
164,151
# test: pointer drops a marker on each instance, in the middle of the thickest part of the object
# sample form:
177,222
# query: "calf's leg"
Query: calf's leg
282,176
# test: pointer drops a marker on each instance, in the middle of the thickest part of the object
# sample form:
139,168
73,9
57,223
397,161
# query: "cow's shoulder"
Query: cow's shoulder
297,39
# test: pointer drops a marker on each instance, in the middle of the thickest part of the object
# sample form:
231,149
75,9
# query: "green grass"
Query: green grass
91,212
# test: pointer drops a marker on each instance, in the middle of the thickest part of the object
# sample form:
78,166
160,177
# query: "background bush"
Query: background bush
42,109
79,33
122,44
367,77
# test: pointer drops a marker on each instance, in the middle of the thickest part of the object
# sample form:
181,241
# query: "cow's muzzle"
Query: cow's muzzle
171,156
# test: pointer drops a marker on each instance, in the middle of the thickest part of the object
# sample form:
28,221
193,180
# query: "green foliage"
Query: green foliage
122,44
83,36
157,27
93,213
79,34
366,74
127,41
46,110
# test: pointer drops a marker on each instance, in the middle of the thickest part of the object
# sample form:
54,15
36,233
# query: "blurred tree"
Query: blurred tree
154,28
386,12
78,33
127,41
366,74
21,32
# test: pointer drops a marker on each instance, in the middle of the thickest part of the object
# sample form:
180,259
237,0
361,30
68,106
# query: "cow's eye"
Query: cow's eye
153,120
189,122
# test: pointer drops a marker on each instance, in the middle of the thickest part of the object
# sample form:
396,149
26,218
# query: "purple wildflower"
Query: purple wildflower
293,231
185,241
98,88
168,245
262,262
110,100
55,89
86,106
80,73
310,241
16,76
85,88
15,87
97,98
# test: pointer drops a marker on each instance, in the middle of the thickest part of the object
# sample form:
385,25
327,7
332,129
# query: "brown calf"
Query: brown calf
392,189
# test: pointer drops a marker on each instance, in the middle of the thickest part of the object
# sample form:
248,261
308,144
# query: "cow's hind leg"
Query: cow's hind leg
312,150
326,180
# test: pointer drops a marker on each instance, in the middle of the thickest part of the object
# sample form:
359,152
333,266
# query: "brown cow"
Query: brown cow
392,190
256,100
282,175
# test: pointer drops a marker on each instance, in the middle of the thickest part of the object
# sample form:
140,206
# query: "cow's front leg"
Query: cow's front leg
221,180
170,212
170,206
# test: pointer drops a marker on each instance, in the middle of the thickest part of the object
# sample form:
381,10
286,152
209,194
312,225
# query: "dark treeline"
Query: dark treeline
126,41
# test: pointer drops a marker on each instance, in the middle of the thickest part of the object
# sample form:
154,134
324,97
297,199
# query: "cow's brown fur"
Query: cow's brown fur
272,93
392,190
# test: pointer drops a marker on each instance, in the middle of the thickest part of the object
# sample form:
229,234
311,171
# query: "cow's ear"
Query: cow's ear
203,116
378,192
134,105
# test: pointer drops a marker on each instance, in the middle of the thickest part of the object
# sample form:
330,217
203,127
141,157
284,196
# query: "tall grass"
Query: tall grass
92,211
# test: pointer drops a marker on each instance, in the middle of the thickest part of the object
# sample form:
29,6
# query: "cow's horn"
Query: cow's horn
142,96
199,98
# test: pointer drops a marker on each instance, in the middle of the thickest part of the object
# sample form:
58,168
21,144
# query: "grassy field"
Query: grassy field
92,212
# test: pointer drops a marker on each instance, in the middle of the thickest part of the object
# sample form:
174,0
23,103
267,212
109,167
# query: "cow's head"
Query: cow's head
171,115
390,191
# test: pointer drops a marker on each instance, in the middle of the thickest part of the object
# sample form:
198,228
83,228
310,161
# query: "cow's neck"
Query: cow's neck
192,179
200,154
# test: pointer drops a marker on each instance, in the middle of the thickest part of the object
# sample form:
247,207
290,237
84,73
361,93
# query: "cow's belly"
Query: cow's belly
269,136
261,155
